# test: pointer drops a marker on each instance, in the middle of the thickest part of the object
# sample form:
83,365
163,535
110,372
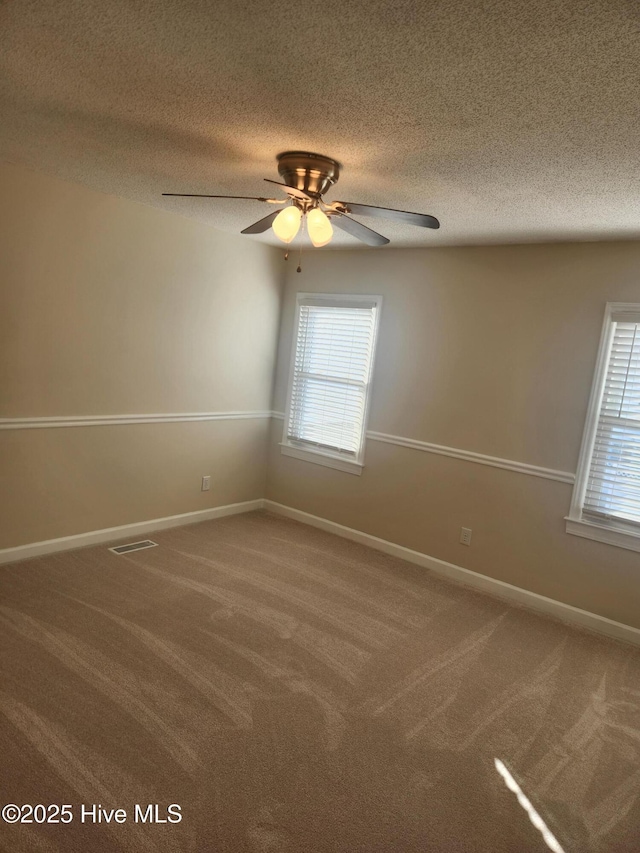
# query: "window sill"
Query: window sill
317,457
610,535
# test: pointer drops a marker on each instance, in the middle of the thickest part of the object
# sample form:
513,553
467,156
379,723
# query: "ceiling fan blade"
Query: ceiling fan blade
199,195
422,219
261,225
357,229
293,191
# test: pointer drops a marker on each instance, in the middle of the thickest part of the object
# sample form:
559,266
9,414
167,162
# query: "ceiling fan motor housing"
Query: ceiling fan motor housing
311,173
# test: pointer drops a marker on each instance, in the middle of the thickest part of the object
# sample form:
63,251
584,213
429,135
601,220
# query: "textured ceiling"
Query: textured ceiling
509,120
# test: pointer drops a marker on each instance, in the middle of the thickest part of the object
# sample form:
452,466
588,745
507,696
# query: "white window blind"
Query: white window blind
613,482
331,374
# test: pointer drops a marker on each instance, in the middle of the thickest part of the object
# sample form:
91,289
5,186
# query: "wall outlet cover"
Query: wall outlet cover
465,535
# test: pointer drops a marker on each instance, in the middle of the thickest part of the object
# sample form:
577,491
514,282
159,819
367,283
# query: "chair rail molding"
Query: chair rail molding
472,456
114,420
467,455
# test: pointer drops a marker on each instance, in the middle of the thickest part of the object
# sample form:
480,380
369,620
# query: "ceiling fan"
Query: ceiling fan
306,178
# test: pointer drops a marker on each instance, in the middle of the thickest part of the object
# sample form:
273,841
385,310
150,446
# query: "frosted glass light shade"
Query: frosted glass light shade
319,228
287,224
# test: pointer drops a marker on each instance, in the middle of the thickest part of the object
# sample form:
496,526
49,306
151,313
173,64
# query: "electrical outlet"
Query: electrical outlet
465,535
206,484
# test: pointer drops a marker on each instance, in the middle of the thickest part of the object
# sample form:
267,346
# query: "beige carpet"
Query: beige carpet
293,691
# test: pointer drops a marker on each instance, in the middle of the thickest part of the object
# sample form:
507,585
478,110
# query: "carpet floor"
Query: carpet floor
281,690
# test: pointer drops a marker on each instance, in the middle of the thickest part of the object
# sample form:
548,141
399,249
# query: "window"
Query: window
606,498
332,360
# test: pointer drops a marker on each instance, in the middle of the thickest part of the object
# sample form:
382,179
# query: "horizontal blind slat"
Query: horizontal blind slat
613,482
331,369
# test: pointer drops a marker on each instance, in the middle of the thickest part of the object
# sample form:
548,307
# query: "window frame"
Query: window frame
317,456
615,531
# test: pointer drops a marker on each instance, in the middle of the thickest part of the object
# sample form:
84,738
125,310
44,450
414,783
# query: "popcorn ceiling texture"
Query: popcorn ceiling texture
510,121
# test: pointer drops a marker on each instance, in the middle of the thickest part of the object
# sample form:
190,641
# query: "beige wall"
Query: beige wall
109,308
112,308
489,350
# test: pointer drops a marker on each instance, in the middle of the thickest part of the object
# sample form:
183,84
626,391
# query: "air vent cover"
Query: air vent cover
133,546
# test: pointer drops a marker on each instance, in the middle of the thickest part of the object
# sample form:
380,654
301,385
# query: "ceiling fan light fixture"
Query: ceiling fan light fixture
287,223
307,177
319,227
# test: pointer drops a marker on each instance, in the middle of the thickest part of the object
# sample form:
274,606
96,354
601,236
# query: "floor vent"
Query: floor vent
133,546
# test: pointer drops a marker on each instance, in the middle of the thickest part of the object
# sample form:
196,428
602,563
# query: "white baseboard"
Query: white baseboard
109,534
565,612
